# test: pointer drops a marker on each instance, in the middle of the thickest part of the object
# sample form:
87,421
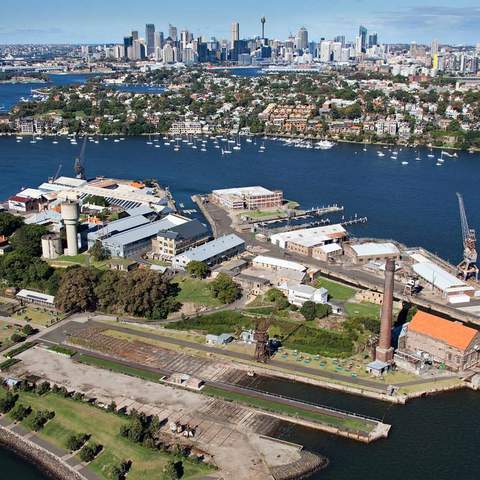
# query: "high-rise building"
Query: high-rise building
172,32
127,43
373,39
159,40
434,48
302,39
235,32
150,38
340,39
184,39
135,35
362,33
262,21
325,51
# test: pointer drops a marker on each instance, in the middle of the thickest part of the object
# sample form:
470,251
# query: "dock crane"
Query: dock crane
467,267
57,174
79,166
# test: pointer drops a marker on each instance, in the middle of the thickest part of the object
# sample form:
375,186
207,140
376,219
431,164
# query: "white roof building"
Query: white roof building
251,191
35,297
298,294
372,249
309,237
277,263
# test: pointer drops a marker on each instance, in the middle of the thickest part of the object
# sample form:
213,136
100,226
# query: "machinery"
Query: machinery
260,336
79,166
467,267
411,285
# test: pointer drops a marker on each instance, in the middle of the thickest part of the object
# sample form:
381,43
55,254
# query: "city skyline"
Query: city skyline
57,22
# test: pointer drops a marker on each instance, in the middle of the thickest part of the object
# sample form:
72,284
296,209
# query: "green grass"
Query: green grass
337,291
73,417
62,350
364,309
196,291
16,351
215,323
118,367
8,363
345,423
38,316
79,259
265,213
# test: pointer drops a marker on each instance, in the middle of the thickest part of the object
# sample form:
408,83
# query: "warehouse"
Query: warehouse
248,198
451,287
137,241
211,253
441,342
372,252
262,261
305,240
178,239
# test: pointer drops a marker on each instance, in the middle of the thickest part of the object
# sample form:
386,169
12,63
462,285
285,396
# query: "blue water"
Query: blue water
414,203
11,93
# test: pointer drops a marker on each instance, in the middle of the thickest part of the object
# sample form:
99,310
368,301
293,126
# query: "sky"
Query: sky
107,21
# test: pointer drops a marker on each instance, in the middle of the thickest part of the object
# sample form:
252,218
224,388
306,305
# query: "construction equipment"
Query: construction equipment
79,167
260,336
467,267
57,173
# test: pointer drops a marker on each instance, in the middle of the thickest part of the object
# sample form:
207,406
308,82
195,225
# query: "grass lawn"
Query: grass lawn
38,316
118,367
363,309
346,423
336,290
73,417
265,213
195,291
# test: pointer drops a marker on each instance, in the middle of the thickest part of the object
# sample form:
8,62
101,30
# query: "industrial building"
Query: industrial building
298,294
448,285
36,298
211,253
178,239
248,198
372,252
262,261
305,240
428,338
138,240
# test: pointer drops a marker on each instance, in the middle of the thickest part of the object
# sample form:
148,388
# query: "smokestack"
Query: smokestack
70,216
384,351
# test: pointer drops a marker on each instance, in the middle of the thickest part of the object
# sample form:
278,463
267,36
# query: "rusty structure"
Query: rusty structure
260,336
384,350
468,266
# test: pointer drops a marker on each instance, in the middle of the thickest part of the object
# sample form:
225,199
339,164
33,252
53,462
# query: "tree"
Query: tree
20,412
170,471
75,442
322,310
20,270
8,402
16,338
99,252
9,223
27,240
225,289
197,269
89,452
76,292
308,310
28,330
276,296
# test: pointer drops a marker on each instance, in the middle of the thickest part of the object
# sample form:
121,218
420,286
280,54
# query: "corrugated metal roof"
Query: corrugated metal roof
213,248
372,249
278,262
437,276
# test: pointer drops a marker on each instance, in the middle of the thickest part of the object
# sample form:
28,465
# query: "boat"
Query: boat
166,143
55,142
417,158
157,146
430,155
203,149
249,140
225,152
439,164
325,145
393,157
116,140
380,154
404,163
19,138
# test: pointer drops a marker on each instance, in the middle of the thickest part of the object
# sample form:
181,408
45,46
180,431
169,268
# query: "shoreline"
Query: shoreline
46,462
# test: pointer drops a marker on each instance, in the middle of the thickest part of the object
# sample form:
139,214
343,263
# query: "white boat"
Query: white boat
430,155
116,140
380,154
166,143
249,140
157,146
203,149
325,145
176,149
19,138
217,146
225,152
237,147
439,164
417,158
392,157
55,142
404,163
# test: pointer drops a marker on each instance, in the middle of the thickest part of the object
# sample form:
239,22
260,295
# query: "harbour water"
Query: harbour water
435,437
14,467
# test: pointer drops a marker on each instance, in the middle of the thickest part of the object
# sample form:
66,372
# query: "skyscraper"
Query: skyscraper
302,39
172,32
373,39
340,39
235,32
135,35
150,38
362,33
434,48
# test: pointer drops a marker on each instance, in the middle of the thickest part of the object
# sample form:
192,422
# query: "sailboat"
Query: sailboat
149,140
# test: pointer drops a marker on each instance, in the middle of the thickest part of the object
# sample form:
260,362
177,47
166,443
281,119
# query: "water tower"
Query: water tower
70,216
51,246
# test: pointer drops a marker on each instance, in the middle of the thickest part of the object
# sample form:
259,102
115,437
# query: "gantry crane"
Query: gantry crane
79,166
467,267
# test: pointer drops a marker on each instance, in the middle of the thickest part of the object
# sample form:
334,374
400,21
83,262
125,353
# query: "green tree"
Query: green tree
99,252
170,471
9,223
20,412
225,289
197,269
76,292
322,310
308,311
27,240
